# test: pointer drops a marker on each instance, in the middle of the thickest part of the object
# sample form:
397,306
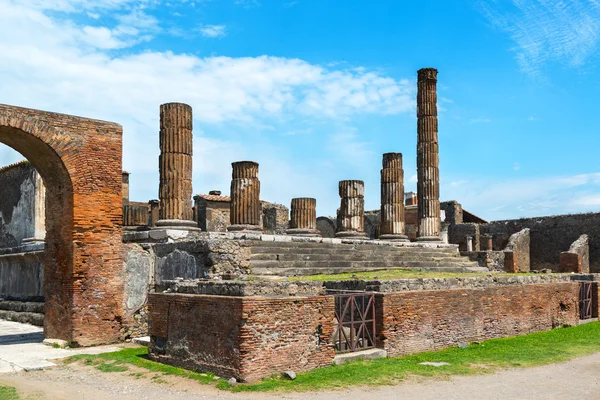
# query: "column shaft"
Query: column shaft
428,187
245,212
351,217
392,225
303,217
175,166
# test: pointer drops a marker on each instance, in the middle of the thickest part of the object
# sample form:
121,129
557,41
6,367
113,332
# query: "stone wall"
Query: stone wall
424,321
22,276
242,337
327,226
577,258
18,186
275,218
550,236
517,252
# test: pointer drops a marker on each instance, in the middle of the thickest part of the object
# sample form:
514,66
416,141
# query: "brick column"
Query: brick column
351,215
303,217
428,184
245,210
175,166
391,224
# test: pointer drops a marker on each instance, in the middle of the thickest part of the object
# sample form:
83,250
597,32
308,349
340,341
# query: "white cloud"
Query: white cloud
516,166
566,31
213,31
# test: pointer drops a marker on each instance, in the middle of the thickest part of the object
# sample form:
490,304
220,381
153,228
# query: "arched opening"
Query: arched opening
79,161
58,257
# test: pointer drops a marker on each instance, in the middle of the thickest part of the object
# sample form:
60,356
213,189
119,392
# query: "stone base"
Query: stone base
135,228
180,224
394,238
244,228
34,240
429,239
303,232
351,235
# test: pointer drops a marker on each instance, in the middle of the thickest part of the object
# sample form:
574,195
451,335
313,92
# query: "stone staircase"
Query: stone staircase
309,258
27,312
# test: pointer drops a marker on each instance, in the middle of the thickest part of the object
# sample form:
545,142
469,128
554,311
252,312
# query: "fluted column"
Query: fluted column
428,184
351,217
392,225
175,166
245,212
303,217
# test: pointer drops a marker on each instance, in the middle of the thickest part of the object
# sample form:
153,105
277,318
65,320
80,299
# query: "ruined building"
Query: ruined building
206,279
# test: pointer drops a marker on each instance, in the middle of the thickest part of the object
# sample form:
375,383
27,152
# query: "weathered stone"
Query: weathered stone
245,209
428,186
577,259
351,214
175,166
303,217
391,224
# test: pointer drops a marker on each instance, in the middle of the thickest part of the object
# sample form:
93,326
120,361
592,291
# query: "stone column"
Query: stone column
245,212
391,224
154,212
303,217
351,215
428,185
490,242
469,243
125,187
175,164
39,212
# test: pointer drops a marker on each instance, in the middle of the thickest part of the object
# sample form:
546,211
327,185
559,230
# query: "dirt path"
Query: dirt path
576,379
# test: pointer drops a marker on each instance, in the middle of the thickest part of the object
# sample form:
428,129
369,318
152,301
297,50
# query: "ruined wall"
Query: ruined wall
244,337
577,258
550,236
22,275
275,218
423,321
18,185
327,226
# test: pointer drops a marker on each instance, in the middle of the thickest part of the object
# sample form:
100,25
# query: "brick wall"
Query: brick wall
430,320
243,337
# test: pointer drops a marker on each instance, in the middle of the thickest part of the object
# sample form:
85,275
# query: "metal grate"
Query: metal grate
585,300
355,318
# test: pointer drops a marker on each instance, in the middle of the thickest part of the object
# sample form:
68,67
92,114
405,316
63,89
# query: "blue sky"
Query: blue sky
316,91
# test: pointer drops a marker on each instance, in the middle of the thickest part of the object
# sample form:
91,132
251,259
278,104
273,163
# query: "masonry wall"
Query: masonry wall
243,337
550,236
17,204
430,320
22,276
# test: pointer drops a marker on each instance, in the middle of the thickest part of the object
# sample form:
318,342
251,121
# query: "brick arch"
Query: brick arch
79,160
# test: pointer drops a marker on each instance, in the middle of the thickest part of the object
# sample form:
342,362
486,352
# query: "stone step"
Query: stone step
352,250
332,267
339,270
23,317
22,306
358,246
352,256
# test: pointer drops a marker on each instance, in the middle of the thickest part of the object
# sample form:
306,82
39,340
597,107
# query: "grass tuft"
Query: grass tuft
9,393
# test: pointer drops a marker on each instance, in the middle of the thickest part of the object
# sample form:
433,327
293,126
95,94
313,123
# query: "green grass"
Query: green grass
138,356
523,351
398,274
9,393
541,348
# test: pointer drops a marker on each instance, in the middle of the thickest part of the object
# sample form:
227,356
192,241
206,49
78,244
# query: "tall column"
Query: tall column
175,161
391,225
428,185
245,212
39,212
303,217
351,217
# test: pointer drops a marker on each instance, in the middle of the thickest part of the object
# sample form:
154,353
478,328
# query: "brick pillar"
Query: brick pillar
351,216
245,210
428,184
391,224
303,217
175,164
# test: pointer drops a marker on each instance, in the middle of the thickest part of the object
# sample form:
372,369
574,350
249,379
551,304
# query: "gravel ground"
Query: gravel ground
576,379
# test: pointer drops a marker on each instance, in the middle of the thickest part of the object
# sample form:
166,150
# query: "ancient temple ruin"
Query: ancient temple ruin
206,280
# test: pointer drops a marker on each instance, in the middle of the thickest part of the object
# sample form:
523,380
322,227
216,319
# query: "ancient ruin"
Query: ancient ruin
392,226
303,217
175,166
351,214
428,174
219,286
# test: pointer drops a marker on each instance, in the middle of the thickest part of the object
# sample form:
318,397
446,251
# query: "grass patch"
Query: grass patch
398,274
109,367
138,356
9,393
523,351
